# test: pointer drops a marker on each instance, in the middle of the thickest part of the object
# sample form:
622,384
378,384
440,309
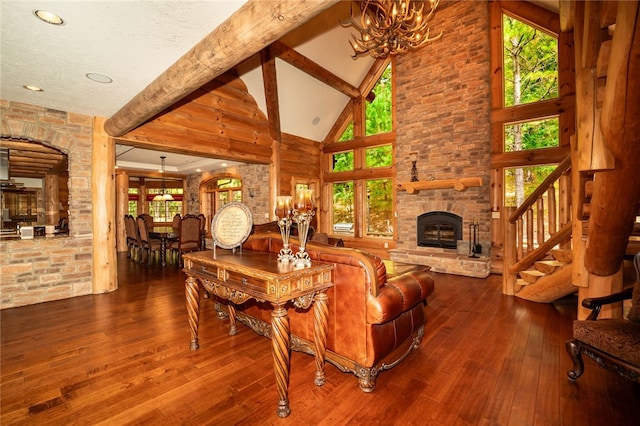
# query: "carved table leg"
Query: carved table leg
163,251
193,309
232,320
280,344
320,320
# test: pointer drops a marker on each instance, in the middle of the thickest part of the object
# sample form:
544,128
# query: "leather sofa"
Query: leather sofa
312,235
375,321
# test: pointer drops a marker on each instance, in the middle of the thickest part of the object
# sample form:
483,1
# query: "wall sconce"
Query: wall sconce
413,156
192,200
251,192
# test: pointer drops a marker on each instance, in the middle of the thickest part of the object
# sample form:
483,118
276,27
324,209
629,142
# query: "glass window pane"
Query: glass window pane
531,135
530,63
520,182
378,112
379,156
348,133
132,208
343,208
343,161
379,213
236,196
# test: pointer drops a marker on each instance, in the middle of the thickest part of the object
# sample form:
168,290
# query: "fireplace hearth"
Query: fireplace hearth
439,229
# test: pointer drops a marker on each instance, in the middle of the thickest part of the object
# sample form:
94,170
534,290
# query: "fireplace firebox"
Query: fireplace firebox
439,229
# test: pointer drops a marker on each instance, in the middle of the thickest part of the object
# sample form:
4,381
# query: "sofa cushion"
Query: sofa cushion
618,337
634,312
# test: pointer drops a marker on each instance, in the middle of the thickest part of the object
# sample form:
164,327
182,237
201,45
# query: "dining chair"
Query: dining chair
150,245
189,238
203,224
132,237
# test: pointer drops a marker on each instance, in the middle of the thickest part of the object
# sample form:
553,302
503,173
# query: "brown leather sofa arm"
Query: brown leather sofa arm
399,295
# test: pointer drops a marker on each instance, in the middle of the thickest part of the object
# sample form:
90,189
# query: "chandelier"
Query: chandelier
390,27
164,195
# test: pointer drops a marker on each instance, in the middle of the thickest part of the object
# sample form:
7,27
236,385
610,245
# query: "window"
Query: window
218,191
343,161
132,204
533,107
360,171
378,112
343,208
379,156
530,63
163,211
379,217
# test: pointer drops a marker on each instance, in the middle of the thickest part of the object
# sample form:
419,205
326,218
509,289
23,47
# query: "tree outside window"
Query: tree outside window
530,75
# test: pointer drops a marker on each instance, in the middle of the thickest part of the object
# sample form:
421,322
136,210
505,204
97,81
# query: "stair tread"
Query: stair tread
531,275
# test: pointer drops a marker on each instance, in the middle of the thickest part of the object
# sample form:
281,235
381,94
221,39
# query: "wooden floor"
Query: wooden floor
124,358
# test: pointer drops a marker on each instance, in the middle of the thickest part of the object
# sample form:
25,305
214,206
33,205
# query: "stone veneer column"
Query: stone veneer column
443,105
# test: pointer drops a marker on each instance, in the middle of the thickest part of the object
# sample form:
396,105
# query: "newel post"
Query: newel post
510,258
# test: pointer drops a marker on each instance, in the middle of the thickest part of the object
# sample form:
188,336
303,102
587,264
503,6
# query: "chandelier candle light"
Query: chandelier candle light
164,195
302,214
283,213
391,27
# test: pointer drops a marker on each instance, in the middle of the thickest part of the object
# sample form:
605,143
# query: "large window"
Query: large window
533,104
142,192
360,172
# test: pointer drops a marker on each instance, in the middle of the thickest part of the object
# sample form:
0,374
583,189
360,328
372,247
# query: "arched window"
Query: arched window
219,190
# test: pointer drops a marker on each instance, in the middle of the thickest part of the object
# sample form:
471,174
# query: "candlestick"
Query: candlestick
302,214
283,212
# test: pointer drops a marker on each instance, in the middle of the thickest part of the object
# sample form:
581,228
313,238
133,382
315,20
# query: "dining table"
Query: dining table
165,233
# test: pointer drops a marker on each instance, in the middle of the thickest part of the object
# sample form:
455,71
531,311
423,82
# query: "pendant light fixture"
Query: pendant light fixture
164,195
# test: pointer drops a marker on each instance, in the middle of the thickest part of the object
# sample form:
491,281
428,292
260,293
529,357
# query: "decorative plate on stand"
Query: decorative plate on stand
231,225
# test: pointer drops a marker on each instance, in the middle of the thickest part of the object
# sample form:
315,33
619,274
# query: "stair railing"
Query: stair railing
542,222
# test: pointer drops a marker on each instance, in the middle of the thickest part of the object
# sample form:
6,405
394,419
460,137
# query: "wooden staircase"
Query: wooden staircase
551,276
537,241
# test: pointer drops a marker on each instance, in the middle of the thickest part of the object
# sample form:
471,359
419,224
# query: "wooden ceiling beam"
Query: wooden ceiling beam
311,68
254,26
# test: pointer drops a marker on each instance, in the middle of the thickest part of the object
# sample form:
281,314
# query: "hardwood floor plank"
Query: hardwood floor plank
124,358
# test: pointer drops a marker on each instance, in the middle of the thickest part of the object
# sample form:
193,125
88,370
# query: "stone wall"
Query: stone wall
33,271
443,105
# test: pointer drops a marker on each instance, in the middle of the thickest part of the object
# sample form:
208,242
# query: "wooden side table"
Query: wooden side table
238,277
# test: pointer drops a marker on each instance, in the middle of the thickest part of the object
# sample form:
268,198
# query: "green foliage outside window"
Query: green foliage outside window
532,135
379,112
343,161
530,63
379,156
343,198
347,135
379,218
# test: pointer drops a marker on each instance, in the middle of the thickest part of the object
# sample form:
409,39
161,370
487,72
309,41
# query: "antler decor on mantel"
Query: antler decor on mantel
460,184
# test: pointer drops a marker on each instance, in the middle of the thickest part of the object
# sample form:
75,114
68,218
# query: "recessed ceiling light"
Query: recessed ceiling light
100,78
33,88
315,120
48,17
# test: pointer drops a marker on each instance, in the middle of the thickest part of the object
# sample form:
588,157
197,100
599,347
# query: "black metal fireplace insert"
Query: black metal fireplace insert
439,229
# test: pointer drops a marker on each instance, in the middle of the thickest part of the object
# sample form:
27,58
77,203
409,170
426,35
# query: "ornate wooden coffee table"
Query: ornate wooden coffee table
241,276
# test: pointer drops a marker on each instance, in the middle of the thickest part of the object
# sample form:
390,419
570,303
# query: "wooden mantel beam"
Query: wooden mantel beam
255,25
460,184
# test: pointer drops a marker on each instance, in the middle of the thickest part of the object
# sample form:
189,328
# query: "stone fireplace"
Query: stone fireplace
444,103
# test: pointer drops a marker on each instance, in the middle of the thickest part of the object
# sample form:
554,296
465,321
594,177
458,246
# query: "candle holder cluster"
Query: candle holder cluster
475,248
299,211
